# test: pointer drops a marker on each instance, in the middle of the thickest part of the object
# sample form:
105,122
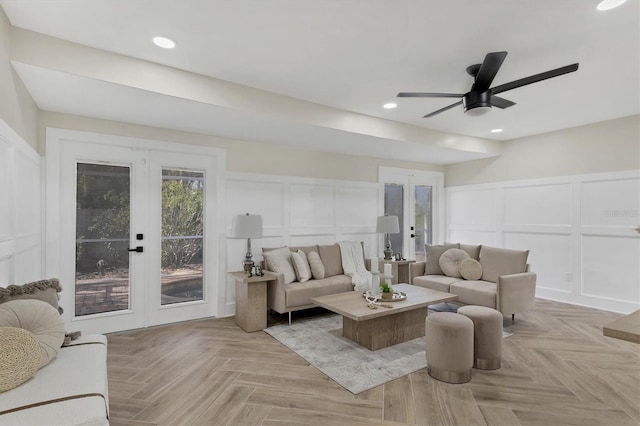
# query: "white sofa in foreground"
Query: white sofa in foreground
42,380
71,390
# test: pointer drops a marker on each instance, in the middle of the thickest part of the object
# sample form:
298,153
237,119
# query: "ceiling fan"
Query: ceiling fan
481,98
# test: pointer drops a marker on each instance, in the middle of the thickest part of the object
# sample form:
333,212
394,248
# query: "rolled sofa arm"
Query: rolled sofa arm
276,296
516,292
416,270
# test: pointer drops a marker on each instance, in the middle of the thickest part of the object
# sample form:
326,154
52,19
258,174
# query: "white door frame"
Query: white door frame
410,178
53,240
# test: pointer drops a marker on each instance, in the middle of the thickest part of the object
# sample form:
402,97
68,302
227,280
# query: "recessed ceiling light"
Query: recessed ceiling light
609,4
390,105
496,130
165,43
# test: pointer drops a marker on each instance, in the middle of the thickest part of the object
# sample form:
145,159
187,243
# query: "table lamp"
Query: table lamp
388,225
247,226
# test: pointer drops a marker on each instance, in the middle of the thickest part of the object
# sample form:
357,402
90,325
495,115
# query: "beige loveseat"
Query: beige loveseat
286,297
505,283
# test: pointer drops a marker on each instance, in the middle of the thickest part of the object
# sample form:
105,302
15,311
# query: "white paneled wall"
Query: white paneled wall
20,229
297,212
580,231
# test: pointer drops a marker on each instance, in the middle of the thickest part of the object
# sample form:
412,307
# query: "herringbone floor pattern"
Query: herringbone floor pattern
558,369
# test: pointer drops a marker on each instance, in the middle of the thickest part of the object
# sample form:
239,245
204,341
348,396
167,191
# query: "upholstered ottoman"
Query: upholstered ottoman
487,330
449,346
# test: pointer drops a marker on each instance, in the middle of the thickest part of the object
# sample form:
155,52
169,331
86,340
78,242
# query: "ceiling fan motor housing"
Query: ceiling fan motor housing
477,103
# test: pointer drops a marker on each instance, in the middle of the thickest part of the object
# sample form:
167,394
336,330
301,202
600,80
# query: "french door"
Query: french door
415,197
136,235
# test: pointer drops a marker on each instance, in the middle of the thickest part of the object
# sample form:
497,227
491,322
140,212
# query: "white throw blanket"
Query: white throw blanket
353,265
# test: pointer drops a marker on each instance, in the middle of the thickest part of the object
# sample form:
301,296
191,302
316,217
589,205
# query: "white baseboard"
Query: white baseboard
588,301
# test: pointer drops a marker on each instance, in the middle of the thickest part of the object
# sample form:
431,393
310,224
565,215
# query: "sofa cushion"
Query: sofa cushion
472,250
80,369
39,318
433,253
305,249
315,263
301,266
45,290
499,261
331,259
481,293
279,261
19,357
450,262
300,294
470,269
435,282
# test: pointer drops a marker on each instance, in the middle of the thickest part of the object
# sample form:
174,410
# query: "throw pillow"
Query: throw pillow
470,269
472,250
315,263
45,290
331,259
433,253
497,262
38,318
301,266
279,261
19,357
450,262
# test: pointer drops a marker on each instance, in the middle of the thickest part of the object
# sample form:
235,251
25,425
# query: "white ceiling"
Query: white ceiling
352,56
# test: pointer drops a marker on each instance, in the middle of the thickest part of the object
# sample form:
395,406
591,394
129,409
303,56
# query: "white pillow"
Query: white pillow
316,265
301,266
279,260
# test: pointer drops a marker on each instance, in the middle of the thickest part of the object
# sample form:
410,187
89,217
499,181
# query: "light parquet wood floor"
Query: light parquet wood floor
558,369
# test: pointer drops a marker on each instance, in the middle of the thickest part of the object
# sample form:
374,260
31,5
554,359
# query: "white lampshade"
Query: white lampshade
388,225
246,226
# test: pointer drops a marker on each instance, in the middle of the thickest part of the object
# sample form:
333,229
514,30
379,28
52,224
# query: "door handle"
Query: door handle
138,249
413,236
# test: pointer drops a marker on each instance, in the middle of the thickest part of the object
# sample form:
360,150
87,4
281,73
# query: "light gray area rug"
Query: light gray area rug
319,341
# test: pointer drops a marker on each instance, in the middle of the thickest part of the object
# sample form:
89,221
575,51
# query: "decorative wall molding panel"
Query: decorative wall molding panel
580,231
297,212
20,210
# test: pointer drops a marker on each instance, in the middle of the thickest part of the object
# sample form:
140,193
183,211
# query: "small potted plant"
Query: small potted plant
387,292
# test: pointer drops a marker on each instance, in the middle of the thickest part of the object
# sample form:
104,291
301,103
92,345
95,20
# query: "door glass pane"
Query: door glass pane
182,236
423,226
393,206
102,238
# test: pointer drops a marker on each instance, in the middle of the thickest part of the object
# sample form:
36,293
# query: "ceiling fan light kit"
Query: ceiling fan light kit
481,98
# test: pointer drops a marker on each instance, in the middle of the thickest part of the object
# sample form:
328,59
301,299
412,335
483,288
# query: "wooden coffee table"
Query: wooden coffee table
378,328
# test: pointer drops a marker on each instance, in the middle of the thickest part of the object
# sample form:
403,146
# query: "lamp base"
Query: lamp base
247,265
387,253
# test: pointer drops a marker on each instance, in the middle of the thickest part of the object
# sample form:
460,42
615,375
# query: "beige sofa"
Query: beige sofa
505,283
285,297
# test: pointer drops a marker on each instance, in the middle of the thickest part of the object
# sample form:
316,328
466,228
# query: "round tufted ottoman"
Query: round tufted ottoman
487,326
449,346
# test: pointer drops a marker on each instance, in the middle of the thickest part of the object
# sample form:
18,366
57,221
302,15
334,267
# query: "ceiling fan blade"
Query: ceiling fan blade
499,102
429,95
488,70
442,110
535,78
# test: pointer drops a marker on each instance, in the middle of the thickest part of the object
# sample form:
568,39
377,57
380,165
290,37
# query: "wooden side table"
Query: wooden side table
400,269
404,270
251,300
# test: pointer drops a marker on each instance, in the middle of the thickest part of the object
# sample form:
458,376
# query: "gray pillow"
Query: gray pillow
433,253
45,290
331,259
